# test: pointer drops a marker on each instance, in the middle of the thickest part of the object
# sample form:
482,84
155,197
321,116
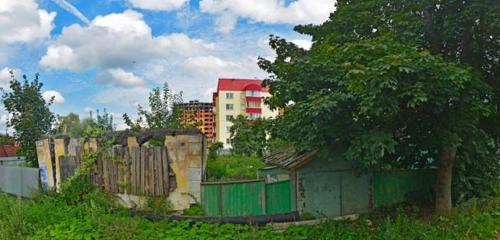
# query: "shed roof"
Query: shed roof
290,158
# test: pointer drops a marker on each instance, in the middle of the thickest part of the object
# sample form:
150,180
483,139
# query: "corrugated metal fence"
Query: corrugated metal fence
248,198
19,180
390,187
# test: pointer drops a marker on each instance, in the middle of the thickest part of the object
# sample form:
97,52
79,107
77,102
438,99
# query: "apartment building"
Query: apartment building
200,112
238,97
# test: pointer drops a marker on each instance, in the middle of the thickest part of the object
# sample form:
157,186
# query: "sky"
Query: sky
95,54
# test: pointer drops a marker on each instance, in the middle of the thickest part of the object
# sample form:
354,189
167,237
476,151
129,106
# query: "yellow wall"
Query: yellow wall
238,100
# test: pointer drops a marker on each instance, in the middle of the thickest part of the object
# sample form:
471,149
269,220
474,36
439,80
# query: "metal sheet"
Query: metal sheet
19,180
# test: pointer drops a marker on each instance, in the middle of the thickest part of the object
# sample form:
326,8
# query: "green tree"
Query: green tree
163,112
31,117
69,125
6,139
99,126
249,137
463,32
391,103
214,149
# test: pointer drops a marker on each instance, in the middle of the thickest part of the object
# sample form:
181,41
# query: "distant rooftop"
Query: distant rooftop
8,151
235,84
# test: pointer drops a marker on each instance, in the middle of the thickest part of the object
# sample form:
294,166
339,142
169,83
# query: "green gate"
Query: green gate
248,198
278,197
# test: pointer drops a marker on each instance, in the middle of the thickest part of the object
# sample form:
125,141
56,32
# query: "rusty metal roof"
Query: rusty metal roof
290,158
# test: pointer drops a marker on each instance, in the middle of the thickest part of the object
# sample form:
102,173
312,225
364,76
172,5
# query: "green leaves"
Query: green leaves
31,117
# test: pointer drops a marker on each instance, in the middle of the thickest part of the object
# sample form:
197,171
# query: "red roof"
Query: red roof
230,84
8,151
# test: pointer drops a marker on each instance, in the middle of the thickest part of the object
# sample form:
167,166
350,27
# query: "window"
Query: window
228,141
228,129
229,118
253,93
253,104
229,95
253,116
243,106
229,106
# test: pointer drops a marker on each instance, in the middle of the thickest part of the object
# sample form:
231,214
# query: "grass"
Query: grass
232,167
53,217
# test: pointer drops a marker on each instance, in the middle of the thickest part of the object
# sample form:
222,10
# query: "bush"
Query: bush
232,167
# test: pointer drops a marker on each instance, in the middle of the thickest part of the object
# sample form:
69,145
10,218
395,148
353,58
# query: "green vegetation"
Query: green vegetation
30,116
233,167
163,112
255,137
403,84
50,217
72,126
6,139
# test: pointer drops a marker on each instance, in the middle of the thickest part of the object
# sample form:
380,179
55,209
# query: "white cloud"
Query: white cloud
116,40
58,97
302,43
226,22
126,98
71,9
119,76
23,21
271,11
158,5
5,76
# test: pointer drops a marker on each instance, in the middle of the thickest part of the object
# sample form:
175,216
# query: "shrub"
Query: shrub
232,167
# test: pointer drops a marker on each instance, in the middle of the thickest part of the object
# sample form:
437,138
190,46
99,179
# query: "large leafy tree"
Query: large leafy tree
31,117
376,80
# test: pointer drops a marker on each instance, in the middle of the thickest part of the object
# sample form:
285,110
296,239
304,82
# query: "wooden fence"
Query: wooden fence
130,170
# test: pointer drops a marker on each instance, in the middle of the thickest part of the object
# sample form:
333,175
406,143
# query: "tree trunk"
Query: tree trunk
444,176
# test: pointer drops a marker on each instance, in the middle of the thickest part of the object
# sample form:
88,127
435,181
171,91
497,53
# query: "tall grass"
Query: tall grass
50,217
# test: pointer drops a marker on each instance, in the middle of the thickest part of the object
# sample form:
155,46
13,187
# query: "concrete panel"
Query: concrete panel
45,164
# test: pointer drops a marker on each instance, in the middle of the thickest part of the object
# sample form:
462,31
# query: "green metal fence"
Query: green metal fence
248,198
390,187
278,197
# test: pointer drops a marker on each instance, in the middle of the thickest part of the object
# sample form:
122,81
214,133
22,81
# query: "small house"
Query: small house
332,186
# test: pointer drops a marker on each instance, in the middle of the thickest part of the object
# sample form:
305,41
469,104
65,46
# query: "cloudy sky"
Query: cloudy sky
109,53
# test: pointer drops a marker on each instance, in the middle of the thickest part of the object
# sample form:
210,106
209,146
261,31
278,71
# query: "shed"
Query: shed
321,186
332,186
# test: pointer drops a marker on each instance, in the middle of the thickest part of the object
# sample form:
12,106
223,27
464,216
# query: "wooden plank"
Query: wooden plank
159,170
132,169
152,171
143,172
119,166
105,175
137,151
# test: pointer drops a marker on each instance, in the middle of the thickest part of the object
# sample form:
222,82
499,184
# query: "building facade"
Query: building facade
238,97
201,112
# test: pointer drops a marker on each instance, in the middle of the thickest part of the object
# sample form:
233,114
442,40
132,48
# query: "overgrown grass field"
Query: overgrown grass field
93,217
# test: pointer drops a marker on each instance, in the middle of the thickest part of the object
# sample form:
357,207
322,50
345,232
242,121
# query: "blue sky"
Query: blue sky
110,53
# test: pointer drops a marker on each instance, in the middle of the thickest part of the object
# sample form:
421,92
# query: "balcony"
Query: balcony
253,99
253,110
